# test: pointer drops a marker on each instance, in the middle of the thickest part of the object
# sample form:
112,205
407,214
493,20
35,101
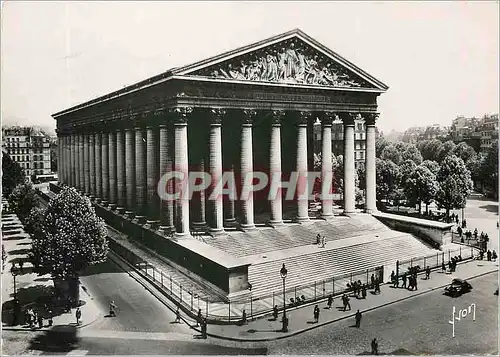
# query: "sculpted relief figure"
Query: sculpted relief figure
289,63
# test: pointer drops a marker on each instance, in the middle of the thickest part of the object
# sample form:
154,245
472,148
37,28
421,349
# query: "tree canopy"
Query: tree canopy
22,200
70,237
12,174
455,183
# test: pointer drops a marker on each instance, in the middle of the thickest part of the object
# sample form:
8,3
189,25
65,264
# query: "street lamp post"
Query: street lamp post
13,271
283,273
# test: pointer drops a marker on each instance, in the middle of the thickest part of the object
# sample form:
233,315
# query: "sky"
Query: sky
439,59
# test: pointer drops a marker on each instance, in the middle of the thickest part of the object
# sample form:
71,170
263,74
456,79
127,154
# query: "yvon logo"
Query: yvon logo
462,314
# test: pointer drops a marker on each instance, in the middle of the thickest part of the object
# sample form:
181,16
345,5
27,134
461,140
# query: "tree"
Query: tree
12,175
390,152
433,166
22,200
380,145
455,184
406,170
421,186
33,221
465,152
489,169
387,178
429,149
72,237
412,153
445,150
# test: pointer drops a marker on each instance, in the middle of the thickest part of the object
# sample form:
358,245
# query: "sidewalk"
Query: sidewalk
29,286
301,319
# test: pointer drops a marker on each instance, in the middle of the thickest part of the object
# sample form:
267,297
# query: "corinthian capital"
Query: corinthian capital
249,116
370,118
326,118
216,115
348,117
180,115
304,118
276,117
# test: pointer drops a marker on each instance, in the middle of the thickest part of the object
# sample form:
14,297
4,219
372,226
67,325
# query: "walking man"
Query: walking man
374,347
244,318
403,279
427,273
275,312
364,291
198,318
358,318
488,255
330,302
78,315
178,316
316,314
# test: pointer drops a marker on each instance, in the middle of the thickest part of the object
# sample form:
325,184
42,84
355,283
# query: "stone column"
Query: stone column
326,166
275,168
198,205
130,170
166,206
140,174
215,165
302,184
246,203
105,168
349,167
112,164
65,159
181,164
70,160
77,161
152,173
92,165
98,166
81,164
370,163
60,164
121,172
86,163
230,219
74,171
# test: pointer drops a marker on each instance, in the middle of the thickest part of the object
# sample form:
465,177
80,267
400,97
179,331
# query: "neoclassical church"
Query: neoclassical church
249,109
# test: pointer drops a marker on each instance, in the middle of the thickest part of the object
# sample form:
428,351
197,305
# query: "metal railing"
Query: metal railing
253,305
435,260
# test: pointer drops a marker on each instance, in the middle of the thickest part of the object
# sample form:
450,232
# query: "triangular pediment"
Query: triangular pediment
291,58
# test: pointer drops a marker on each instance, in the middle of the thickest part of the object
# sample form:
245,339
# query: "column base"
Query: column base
182,235
247,227
120,210
370,210
104,203
140,219
216,232
327,217
151,224
112,206
199,226
275,224
165,230
301,219
97,200
129,214
92,197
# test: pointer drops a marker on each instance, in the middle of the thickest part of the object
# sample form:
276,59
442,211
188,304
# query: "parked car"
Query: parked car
458,287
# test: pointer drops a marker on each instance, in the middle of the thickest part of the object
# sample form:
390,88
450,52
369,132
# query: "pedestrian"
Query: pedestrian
244,317
28,317
393,275
358,318
204,328
456,218
21,263
323,241
78,315
377,286
316,314
40,320
330,302
443,267
372,279
497,224
178,316
475,233
199,318
112,308
428,273
494,255
450,266
364,291
17,312
275,312
50,313
347,303
318,239
403,278
488,255
410,282
415,280
34,319
374,347
481,254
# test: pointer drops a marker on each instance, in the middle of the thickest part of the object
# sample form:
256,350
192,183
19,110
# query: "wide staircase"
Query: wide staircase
325,264
267,239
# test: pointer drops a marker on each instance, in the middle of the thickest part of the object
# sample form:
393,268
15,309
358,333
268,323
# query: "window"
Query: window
27,165
27,158
360,126
41,165
17,139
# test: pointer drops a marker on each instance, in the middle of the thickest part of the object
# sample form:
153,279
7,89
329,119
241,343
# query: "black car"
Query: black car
458,287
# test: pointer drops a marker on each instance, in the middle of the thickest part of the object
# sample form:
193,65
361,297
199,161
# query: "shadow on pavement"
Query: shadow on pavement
490,208
23,251
106,267
60,338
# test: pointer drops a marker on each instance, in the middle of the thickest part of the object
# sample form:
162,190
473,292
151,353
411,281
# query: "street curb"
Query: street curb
340,318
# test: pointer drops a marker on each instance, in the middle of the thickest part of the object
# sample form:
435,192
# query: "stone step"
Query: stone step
323,265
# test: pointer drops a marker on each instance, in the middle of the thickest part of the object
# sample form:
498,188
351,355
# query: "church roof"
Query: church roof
265,63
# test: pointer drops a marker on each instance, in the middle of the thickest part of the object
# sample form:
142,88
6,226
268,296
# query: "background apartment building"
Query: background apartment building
338,140
29,147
